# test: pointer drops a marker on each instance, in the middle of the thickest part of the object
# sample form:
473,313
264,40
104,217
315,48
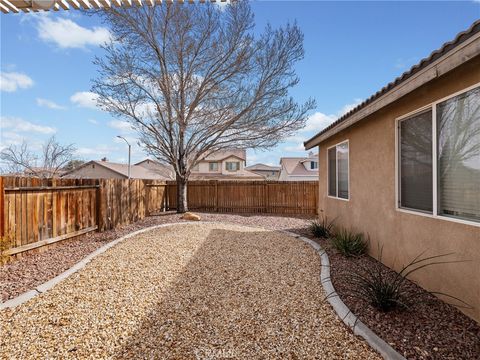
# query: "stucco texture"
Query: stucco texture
371,208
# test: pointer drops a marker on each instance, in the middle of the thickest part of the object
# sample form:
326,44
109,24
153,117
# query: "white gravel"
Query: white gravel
202,291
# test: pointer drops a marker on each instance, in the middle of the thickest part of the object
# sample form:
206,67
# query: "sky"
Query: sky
352,49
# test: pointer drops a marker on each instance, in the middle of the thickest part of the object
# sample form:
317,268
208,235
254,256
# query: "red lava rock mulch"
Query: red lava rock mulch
431,329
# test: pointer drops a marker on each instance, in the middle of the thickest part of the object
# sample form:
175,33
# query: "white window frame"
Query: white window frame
433,107
336,169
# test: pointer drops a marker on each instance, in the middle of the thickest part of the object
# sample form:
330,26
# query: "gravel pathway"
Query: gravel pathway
189,291
36,268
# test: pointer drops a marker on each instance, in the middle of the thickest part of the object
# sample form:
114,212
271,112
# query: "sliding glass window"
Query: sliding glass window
439,158
416,189
458,156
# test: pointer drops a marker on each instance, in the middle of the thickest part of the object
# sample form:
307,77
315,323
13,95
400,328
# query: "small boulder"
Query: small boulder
190,216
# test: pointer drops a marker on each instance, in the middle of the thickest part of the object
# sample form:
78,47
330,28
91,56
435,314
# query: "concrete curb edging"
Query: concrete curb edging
338,305
347,316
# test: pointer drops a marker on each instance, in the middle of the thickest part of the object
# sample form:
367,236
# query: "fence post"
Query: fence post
166,206
147,196
98,204
2,208
265,196
54,208
216,196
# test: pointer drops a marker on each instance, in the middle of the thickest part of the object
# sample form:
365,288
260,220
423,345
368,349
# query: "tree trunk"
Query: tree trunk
182,205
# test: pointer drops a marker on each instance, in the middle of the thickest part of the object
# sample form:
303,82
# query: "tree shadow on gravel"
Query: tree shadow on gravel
238,296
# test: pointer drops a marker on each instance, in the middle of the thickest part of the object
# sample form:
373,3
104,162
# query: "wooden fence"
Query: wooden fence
35,212
39,212
277,197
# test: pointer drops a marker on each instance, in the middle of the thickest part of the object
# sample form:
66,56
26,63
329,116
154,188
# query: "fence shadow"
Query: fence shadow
241,292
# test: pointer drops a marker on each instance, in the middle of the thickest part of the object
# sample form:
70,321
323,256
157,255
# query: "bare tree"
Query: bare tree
53,158
194,79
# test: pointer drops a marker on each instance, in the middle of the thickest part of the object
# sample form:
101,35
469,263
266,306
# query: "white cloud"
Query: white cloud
122,126
93,121
98,151
11,81
349,107
19,125
296,148
65,33
11,138
49,104
319,121
85,99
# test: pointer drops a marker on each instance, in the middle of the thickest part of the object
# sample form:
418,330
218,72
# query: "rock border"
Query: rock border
347,316
358,328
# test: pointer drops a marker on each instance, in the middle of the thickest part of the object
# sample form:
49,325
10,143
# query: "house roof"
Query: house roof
473,34
246,175
223,154
294,166
262,167
161,168
136,171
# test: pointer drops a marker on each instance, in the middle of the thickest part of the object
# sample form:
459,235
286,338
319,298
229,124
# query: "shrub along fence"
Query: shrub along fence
38,212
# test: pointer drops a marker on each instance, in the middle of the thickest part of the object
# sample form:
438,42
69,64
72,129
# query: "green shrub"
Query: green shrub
386,290
349,243
322,228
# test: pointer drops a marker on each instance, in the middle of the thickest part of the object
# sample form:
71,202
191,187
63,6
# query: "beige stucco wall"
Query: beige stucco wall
371,208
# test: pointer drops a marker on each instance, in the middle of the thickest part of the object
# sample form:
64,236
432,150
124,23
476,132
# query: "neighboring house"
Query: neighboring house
404,168
157,167
299,168
267,171
110,170
223,165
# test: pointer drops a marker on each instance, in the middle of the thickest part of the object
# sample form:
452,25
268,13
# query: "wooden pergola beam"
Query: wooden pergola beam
10,6
15,6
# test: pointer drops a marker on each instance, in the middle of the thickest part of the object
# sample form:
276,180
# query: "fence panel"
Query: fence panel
280,197
36,215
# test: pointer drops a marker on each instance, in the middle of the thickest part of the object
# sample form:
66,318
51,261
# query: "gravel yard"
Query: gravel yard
191,291
36,268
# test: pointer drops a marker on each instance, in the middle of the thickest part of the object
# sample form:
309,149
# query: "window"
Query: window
338,176
416,186
213,166
313,165
232,166
439,158
458,156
